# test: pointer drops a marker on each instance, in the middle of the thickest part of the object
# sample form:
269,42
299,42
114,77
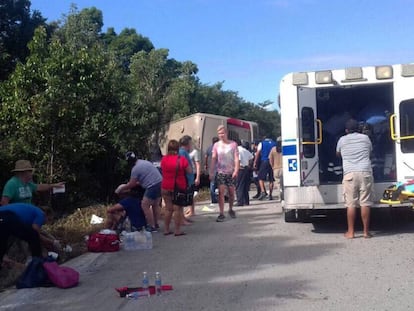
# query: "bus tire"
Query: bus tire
290,215
296,215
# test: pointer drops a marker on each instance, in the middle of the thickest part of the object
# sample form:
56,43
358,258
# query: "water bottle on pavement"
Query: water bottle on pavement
127,224
158,283
148,240
145,283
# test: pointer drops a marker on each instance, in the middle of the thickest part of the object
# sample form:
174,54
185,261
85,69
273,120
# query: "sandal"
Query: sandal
168,233
180,234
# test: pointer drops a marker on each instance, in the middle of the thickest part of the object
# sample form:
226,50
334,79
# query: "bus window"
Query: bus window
308,131
407,125
233,135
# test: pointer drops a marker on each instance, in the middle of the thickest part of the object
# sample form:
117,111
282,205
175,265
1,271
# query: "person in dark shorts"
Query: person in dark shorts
225,159
129,206
265,170
24,221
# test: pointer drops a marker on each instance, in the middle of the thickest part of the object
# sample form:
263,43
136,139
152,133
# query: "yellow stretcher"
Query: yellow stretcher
398,194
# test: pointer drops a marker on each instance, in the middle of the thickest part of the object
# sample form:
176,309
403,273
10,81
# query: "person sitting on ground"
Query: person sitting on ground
129,206
20,188
24,221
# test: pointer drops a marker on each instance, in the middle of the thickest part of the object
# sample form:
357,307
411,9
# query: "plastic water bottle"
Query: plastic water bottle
158,283
136,295
127,224
148,240
145,283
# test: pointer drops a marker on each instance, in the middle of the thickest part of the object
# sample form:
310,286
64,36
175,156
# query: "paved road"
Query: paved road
254,262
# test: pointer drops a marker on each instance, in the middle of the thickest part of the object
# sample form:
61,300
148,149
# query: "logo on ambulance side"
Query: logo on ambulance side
293,165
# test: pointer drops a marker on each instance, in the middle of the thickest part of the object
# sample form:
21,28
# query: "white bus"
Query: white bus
202,127
314,108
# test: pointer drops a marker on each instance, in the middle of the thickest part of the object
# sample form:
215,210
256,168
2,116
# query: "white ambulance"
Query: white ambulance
314,108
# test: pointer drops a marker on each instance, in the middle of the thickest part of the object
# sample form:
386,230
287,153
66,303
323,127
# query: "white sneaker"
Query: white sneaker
207,209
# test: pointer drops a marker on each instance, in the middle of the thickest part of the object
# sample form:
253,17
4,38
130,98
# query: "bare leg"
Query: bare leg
190,211
178,215
222,189
146,208
350,213
365,215
167,219
156,210
271,188
231,197
262,186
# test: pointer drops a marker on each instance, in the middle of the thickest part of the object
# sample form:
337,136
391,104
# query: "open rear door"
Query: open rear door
310,136
402,128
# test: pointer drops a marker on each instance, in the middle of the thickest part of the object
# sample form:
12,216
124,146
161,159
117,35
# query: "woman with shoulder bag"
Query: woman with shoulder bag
174,169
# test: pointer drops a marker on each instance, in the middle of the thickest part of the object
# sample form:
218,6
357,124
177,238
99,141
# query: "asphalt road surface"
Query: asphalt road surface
253,262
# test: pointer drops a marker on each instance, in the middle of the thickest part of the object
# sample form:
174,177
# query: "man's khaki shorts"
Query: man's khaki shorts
358,188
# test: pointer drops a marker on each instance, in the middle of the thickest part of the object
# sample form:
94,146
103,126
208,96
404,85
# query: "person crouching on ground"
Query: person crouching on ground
146,175
129,206
174,169
24,221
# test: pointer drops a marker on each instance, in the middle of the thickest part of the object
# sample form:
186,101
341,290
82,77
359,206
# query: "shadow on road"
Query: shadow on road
386,221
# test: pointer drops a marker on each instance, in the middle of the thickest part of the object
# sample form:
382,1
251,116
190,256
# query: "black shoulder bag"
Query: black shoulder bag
181,197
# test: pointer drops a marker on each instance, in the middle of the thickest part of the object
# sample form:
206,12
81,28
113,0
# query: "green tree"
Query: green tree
17,25
126,44
162,88
61,109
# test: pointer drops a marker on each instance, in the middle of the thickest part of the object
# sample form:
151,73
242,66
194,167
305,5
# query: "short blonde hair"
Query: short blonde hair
221,127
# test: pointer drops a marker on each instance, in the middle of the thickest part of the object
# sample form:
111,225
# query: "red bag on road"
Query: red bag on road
100,242
62,277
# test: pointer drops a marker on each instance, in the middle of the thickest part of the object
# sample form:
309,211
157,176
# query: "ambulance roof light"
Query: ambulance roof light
384,72
300,78
407,70
354,74
324,77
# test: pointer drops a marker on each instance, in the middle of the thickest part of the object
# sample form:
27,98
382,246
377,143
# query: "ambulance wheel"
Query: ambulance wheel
296,215
291,215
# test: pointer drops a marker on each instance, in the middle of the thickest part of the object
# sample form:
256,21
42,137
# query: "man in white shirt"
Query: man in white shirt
243,178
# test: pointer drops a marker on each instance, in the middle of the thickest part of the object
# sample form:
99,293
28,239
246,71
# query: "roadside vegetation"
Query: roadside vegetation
75,98
72,229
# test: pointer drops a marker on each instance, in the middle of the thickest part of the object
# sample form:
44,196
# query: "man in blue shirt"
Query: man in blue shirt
23,221
265,169
184,151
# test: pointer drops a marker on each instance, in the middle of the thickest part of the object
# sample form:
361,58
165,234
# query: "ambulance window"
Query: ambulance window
407,125
308,131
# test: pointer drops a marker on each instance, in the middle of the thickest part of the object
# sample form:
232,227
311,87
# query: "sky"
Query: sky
251,44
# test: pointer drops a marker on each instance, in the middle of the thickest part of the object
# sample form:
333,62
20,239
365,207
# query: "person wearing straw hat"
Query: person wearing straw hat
20,188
